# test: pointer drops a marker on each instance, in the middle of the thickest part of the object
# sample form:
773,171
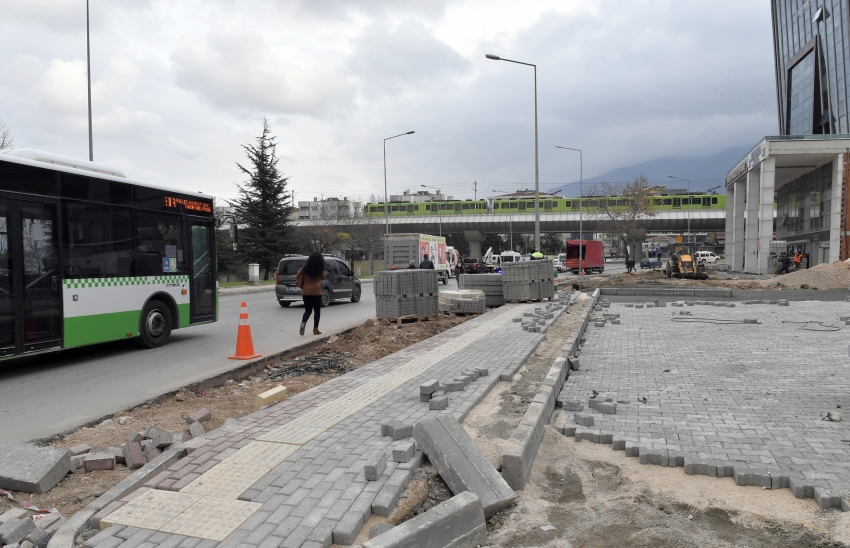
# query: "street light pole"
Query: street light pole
386,201
439,210
580,204
689,203
536,166
88,71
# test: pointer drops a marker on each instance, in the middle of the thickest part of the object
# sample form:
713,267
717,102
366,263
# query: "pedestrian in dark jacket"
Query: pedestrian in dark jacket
426,263
309,279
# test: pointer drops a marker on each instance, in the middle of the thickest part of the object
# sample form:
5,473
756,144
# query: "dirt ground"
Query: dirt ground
371,341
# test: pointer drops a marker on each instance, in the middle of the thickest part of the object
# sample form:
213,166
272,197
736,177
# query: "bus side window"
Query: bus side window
159,244
98,241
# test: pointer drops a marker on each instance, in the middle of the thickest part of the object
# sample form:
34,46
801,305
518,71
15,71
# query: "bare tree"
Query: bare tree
6,139
623,210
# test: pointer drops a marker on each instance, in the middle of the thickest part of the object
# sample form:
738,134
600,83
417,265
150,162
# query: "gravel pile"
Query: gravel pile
822,276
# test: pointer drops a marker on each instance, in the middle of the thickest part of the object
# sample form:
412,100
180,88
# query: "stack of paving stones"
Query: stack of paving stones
320,493
490,284
541,317
462,301
750,411
528,280
20,529
406,293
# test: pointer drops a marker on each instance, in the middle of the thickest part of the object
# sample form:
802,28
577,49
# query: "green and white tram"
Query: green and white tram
88,256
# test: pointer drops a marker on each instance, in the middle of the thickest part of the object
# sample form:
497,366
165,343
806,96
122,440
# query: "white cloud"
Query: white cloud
239,70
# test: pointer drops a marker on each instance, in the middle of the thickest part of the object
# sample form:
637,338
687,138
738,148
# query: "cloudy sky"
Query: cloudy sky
177,87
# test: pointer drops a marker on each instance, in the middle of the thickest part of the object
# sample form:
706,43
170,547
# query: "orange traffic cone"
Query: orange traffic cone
244,343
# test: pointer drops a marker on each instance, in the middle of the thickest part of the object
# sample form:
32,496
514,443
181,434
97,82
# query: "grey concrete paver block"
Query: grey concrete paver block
376,467
402,451
607,408
16,530
348,528
439,403
460,462
583,419
32,469
455,523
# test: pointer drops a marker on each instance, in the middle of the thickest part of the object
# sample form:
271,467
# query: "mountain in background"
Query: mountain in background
705,173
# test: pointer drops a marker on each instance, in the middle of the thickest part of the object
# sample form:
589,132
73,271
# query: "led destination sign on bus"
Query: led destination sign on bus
171,202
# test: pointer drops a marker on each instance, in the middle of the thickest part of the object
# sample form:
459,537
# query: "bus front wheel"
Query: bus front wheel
155,325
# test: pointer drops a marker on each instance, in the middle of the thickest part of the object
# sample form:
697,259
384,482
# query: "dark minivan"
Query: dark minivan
340,282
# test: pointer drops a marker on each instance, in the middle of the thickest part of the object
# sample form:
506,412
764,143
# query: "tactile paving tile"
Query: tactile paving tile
151,510
262,454
225,480
292,433
211,518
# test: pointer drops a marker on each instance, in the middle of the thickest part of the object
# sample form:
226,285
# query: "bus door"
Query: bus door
202,271
30,281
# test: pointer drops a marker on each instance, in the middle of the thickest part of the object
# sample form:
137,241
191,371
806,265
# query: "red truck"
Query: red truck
591,259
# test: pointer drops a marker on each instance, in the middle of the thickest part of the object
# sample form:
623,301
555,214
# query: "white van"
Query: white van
708,257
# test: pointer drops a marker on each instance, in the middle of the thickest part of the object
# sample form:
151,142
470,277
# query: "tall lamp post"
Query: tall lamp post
536,169
689,203
439,209
88,72
580,206
386,201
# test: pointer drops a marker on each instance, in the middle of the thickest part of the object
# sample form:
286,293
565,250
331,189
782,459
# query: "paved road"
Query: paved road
50,394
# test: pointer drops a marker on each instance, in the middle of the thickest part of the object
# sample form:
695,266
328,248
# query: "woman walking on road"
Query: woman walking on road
309,279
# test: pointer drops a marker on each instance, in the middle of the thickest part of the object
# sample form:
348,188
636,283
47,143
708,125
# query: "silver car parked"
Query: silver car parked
339,283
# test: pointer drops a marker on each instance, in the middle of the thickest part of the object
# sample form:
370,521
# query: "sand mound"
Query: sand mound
822,276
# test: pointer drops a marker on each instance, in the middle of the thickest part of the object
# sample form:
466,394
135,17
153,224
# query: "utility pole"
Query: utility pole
475,188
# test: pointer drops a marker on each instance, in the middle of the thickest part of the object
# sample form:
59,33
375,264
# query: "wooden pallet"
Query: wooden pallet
413,318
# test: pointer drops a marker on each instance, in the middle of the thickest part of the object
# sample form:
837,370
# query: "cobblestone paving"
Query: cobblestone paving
749,395
310,450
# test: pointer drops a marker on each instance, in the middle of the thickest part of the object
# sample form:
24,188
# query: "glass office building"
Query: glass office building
812,56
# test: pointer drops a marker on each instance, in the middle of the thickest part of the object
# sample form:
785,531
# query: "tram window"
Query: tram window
657,202
714,201
159,236
495,206
31,180
514,205
98,241
567,203
464,206
668,201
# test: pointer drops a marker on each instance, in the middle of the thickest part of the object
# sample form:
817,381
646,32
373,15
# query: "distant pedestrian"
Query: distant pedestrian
411,265
309,279
798,260
426,263
537,255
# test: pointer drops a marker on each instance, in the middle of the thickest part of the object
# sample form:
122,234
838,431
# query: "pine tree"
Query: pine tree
264,207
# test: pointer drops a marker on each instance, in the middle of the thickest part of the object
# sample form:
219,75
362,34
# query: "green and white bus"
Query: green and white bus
88,256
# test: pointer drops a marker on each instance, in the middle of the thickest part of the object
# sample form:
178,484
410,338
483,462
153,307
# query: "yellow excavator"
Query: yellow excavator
681,263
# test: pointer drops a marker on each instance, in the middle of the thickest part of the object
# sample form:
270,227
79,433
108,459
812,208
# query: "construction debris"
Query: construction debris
327,362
